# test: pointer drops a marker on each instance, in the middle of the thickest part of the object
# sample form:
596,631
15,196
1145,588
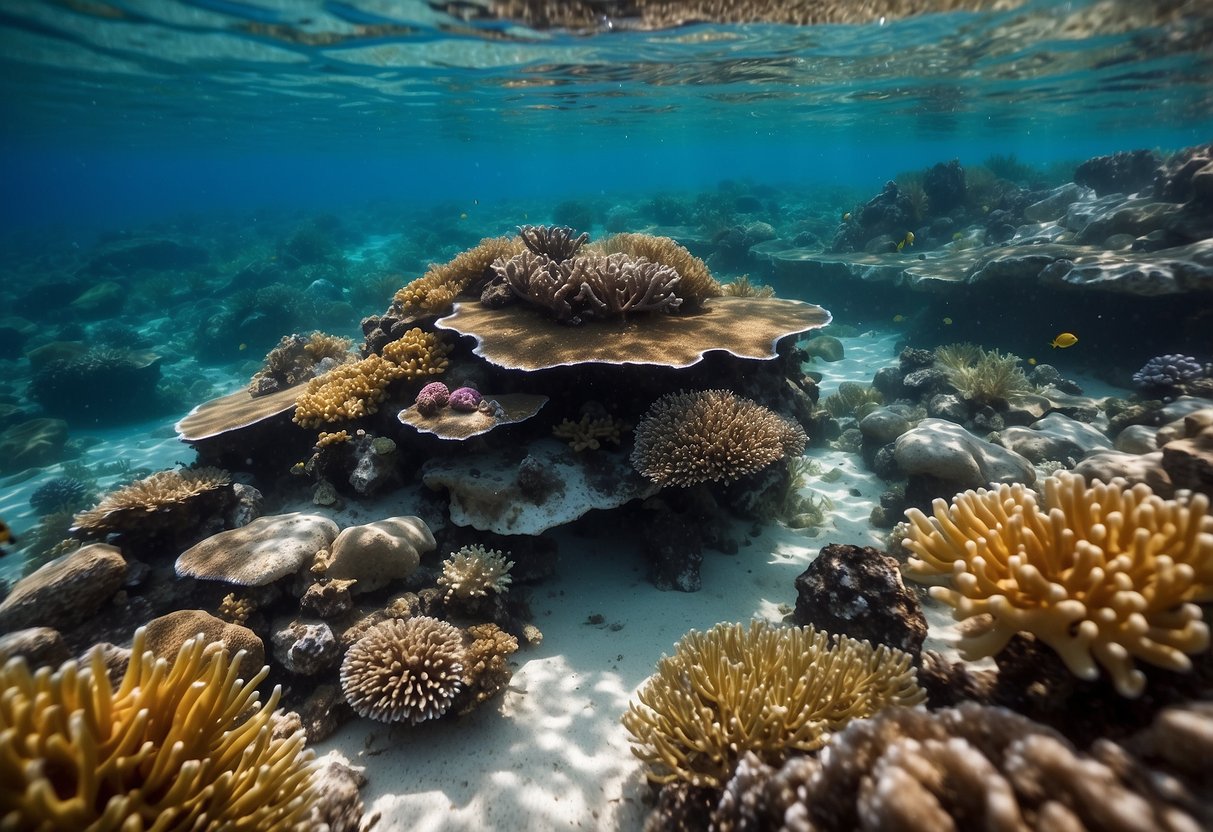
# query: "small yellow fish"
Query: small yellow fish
947,321
1065,339
898,318
846,217
463,215
907,240
1032,362
6,536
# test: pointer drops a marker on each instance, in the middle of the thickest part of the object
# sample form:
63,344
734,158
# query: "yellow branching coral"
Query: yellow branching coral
486,665
697,282
475,571
136,502
435,291
588,432
1104,574
352,391
404,670
687,438
180,746
766,689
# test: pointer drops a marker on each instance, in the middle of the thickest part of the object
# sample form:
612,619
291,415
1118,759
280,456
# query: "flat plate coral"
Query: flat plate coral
232,412
521,337
449,423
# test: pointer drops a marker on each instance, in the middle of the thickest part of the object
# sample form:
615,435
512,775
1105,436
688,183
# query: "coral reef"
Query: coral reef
300,358
435,291
1103,574
475,571
465,399
852,399
181,748
696,283
766,689
1167,372
404,670
376,554
486,664
556,242
982,376
711,436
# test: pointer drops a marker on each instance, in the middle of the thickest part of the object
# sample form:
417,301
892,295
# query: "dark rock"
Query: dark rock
328,599
37,645
887,382
858,592
673,547
884,464
922,382
948,406
121,257
988,420
305,648
66,591
337,805
1125,172
944,184
323,712
1175,179
912,358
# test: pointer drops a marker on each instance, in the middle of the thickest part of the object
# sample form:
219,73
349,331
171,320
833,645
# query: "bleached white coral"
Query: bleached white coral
475,571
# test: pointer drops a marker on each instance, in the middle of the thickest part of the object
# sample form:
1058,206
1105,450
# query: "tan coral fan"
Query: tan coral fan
404,671
433,292
766,689
180,747
711,436
148,495
1103,575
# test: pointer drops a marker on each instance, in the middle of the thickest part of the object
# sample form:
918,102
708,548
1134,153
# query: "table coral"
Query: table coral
701,436
186,747
767,689
404,670
1104,574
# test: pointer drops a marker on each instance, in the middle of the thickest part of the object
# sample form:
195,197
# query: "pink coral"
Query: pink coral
466,399
432,398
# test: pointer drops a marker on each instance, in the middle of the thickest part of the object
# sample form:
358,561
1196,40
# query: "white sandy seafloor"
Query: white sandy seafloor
551,754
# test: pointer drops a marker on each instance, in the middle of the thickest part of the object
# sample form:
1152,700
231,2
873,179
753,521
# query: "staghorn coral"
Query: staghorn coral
766,689
586,433
687,438
976,767
556,242
982,376
486,663
174,746
697,282
137,503
297,358
353,391
404,670
1104,575
435,291
475,571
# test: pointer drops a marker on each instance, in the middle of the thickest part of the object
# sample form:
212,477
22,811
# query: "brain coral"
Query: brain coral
1104,574
404,670
766,689
172,748
710,436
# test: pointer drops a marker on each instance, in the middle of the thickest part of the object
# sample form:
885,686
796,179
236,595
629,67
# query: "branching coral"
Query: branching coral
982,376
557,242
697,282
766,689
137,502
1104,574
180,745
486,663
475,571
352,391
687,438
433,292
743,287
404,670
586,433
297,358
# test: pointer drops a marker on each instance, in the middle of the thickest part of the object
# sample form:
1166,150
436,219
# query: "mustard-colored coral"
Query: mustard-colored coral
140,499
352,391
763,688
235,609
486,663
589,432
700,436
180,746
295,358
1104,575
435,291
697,282
323,440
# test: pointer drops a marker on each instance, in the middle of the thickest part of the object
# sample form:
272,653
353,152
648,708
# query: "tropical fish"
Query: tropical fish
243,347
6,536
846,217
907,240
463,215
898,318
947,321
1063,340
1032,362
957,236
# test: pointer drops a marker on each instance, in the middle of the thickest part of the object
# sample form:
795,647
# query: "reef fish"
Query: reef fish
907,240
6,536
1063,340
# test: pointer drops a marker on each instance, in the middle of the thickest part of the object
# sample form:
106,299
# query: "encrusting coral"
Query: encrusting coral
475,571
977,767
181,745
352,391
137,503
404,670
435,291
766,689
687,438
1104,575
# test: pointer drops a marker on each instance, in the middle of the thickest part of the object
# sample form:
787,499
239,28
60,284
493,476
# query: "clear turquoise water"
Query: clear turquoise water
120,110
